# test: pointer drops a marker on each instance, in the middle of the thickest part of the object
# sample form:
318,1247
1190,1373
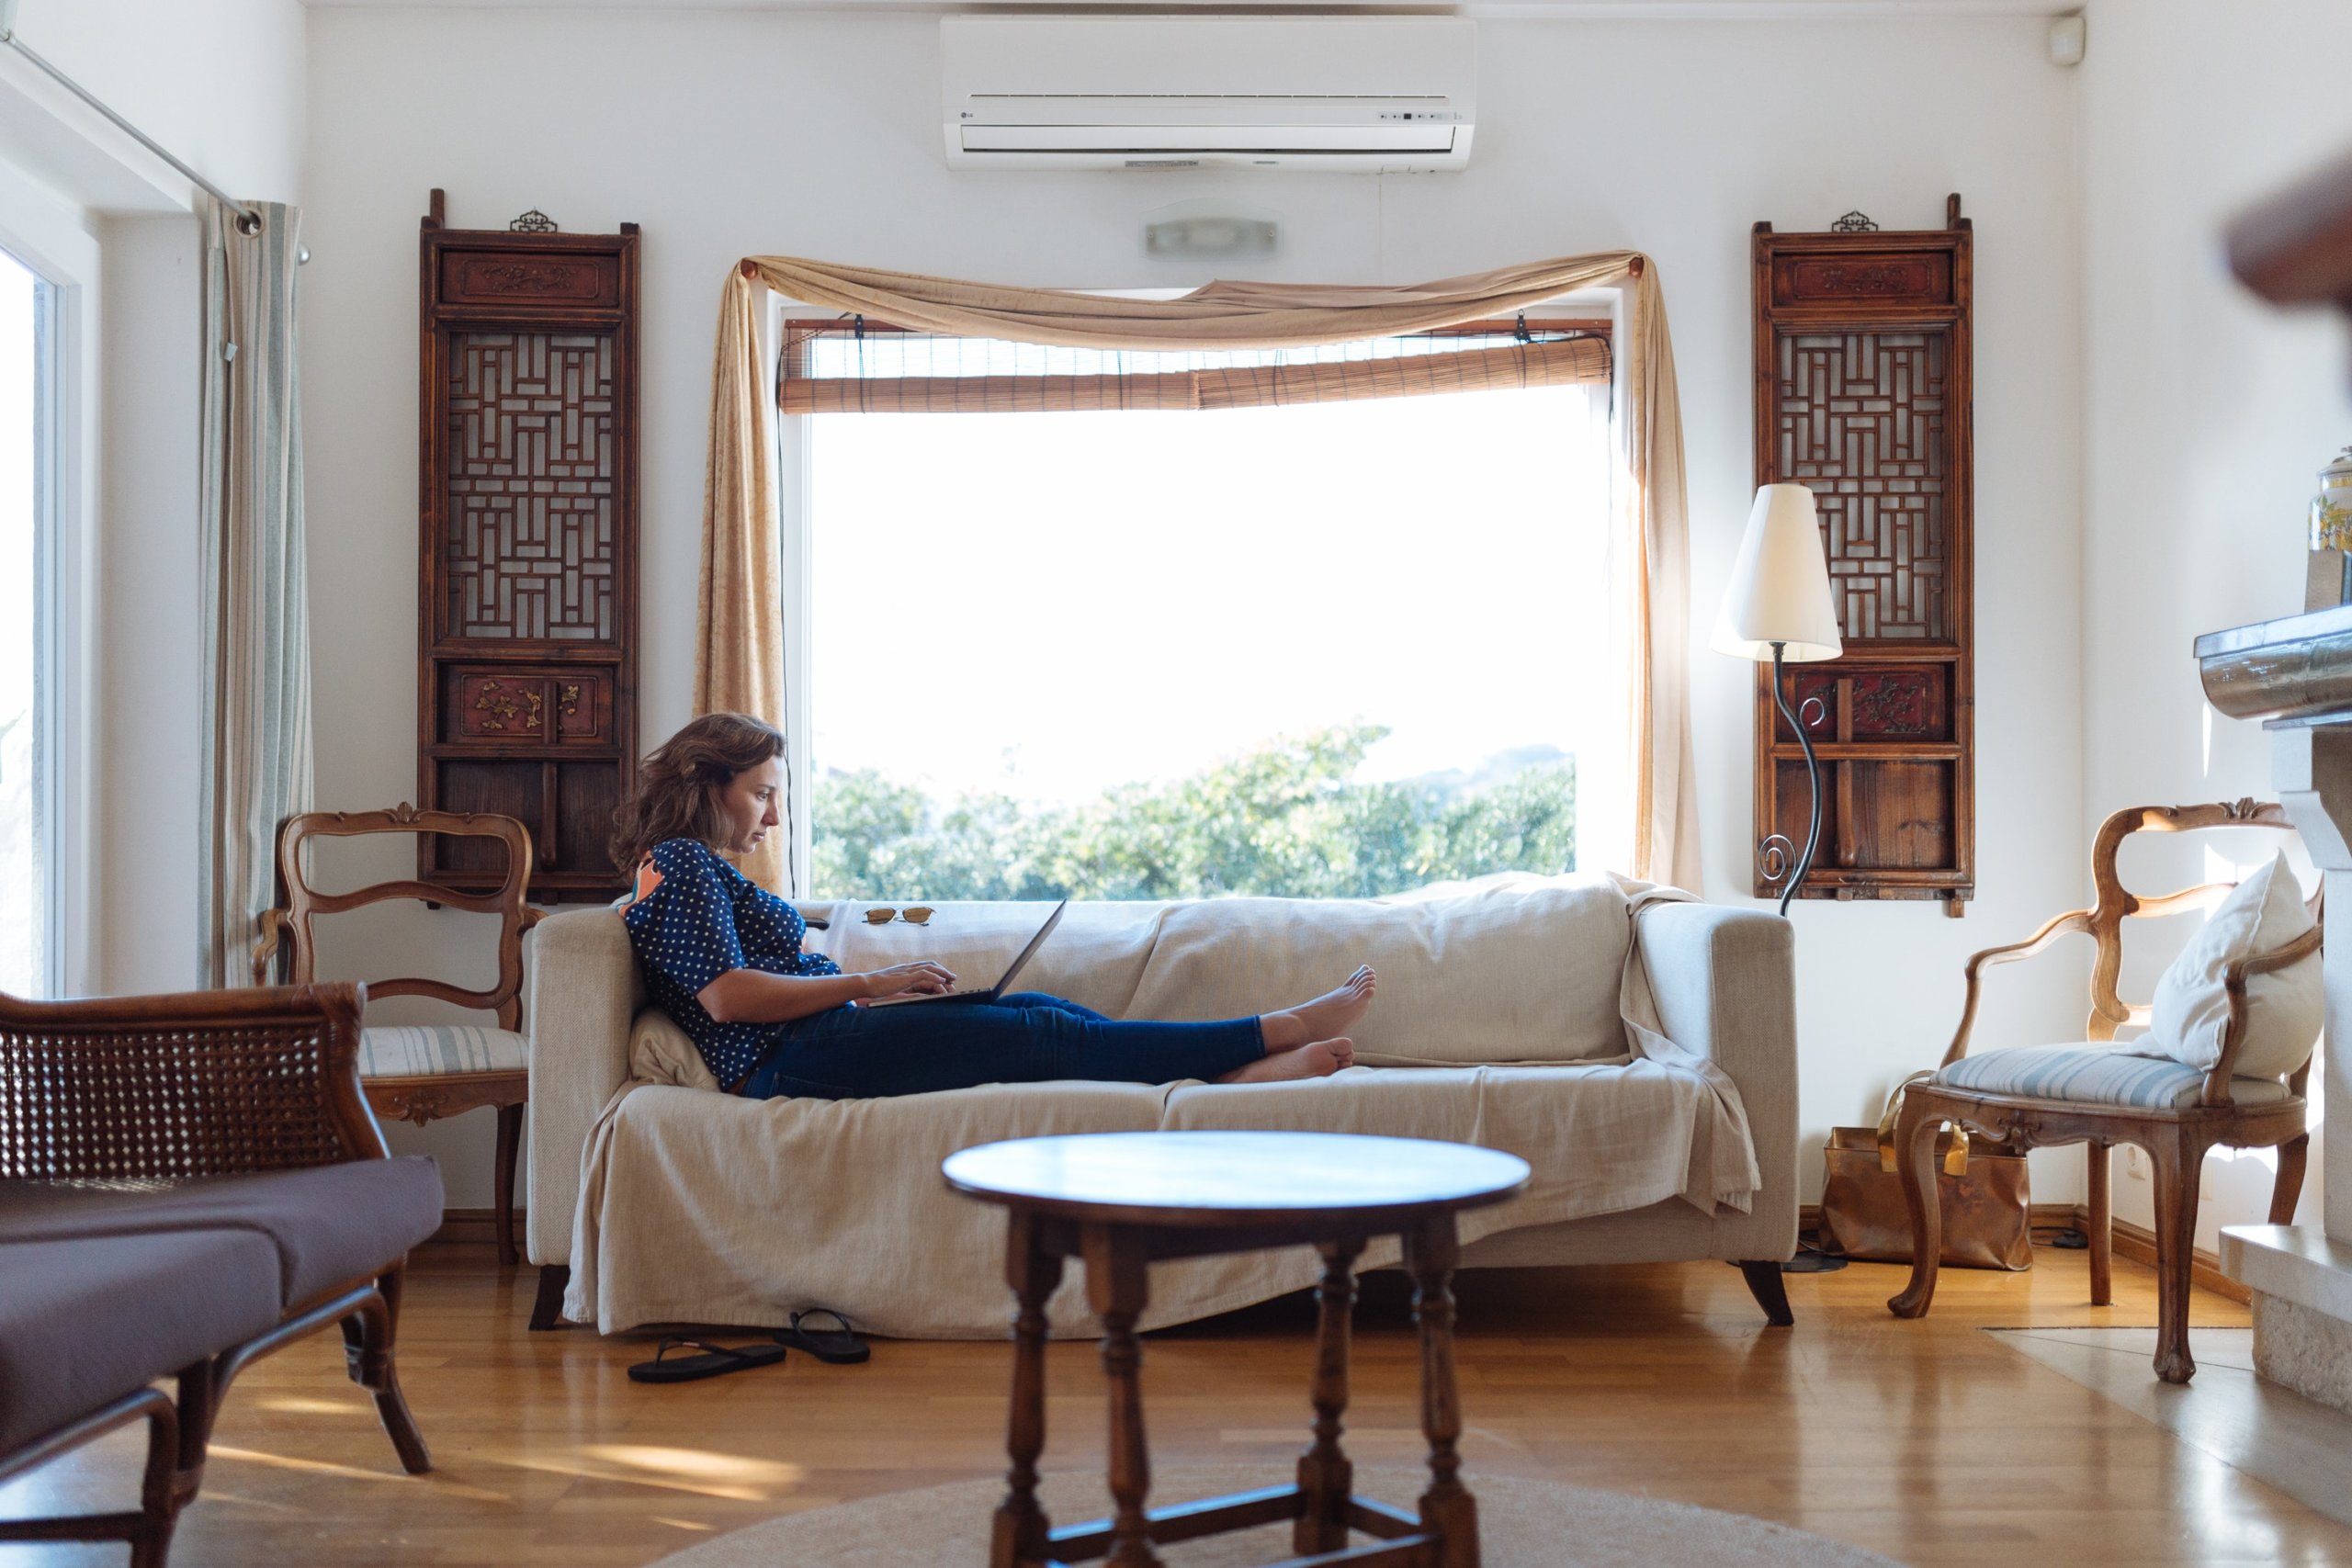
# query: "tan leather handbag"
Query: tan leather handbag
1981,1191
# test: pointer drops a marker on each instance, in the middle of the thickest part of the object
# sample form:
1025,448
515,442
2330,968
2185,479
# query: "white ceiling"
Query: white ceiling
1713,10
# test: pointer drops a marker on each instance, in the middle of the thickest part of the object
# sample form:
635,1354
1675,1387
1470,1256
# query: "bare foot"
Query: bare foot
1316,1059
1332,1013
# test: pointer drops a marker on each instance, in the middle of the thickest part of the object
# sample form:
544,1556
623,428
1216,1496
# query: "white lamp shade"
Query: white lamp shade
1779,584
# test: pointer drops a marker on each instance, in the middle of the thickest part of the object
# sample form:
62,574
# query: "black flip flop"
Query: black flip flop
841,1347
715,1361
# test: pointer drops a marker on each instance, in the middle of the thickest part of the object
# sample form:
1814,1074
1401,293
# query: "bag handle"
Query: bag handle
1955,1157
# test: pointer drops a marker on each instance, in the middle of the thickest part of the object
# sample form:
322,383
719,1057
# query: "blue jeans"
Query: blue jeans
855,1053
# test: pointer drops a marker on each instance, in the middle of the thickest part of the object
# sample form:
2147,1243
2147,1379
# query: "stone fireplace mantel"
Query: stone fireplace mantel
2295,675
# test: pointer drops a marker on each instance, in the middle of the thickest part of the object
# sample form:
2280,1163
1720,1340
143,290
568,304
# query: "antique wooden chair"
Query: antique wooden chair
2088,1093
420,1073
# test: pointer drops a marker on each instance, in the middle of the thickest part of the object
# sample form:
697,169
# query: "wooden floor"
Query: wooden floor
1927,1440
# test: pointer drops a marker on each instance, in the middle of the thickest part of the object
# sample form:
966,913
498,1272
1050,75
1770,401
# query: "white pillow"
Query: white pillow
2193,1010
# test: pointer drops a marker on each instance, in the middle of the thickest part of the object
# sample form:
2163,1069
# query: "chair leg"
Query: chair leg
2294,1154
2101,1223
510,1134
369,1338
159,1493
199,1402
1914,1154
2179,1163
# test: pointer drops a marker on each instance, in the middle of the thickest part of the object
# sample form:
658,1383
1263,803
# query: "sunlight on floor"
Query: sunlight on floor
2301,1447
288,1406
353,1473
703,1473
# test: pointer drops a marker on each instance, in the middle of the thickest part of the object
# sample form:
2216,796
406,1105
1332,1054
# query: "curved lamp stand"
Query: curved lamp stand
1780,599
1772,854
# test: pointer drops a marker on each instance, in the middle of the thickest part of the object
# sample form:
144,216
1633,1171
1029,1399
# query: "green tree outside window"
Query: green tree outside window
1284,821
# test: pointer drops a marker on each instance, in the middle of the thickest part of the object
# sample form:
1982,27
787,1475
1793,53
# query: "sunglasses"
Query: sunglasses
914,915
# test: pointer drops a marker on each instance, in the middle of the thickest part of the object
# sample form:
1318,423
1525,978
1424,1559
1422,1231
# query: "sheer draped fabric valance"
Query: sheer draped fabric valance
739,660
849,364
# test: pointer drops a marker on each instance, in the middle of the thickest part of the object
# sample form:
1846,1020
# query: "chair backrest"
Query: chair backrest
287,931
2116,903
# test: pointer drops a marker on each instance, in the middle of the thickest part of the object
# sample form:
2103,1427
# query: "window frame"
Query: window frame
1607,833
52,240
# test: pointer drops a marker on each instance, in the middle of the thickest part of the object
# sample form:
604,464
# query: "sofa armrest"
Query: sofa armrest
1724,980
585,993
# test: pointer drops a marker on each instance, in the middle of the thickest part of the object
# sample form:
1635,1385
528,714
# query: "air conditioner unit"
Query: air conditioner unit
1362,93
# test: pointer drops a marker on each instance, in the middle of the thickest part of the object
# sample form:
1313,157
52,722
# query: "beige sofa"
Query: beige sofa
1637,1048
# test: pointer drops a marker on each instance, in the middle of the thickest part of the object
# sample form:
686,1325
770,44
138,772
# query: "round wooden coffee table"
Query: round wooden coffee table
1122,1200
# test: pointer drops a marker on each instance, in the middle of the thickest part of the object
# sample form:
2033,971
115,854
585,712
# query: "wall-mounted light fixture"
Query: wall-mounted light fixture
1187,230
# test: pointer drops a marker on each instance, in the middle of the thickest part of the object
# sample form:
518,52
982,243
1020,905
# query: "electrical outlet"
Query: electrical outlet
2135,1163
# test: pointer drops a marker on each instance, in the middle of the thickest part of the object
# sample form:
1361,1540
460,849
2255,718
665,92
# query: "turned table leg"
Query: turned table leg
1116,1288
1018,1539
1326,1479
1448,1510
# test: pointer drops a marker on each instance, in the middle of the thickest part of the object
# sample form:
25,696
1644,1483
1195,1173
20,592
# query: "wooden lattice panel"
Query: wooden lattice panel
527,687
1861,424
532,486
1862,361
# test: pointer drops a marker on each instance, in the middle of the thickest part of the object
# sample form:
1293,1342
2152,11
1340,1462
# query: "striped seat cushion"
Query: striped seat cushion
2097,1074
410,1050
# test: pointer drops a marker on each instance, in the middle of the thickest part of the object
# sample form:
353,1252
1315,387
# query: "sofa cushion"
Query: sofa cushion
2097,1074
325,1225
1508,968
407,1051
83,1323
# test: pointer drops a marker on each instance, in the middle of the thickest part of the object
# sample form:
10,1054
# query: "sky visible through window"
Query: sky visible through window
1405,597
23,905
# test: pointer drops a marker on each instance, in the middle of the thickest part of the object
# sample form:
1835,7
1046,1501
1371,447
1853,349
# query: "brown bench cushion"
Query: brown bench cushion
329,1223
83,1323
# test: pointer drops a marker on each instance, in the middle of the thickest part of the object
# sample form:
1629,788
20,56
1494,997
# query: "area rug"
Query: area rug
1522,1524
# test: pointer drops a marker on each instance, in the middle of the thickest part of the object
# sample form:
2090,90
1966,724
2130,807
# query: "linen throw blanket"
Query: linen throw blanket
1513,1013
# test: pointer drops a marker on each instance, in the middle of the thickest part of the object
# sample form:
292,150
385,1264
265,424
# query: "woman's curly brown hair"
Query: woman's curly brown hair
679,784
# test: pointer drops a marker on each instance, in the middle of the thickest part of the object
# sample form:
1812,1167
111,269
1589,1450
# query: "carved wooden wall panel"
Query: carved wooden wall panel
1861,424
527,684
533,485
1862,379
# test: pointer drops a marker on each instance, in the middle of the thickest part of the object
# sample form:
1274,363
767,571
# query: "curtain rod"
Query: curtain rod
248,220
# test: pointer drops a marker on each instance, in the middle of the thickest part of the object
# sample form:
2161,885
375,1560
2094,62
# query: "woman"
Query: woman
723,958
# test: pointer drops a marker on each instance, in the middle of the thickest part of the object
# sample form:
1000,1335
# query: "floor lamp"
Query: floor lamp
1778,607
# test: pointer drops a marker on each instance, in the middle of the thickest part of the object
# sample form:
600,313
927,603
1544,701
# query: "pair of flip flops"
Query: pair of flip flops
839,1346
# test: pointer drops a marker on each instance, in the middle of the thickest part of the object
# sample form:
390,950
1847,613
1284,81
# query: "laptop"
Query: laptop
1004,981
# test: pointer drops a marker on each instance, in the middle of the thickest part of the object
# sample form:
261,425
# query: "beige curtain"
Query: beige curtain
253,586
740,660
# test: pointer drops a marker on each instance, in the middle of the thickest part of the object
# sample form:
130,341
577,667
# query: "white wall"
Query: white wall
729,132
2208,414
151,729
222,85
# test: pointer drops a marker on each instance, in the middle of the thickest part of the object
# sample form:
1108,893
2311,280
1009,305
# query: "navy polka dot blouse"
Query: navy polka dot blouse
691,917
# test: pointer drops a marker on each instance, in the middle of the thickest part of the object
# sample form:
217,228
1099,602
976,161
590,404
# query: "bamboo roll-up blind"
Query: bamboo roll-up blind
854,366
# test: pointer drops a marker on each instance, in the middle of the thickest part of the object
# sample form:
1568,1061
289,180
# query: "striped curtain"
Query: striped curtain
256,629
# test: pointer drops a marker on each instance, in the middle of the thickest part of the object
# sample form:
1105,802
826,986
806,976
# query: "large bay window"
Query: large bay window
1322,622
